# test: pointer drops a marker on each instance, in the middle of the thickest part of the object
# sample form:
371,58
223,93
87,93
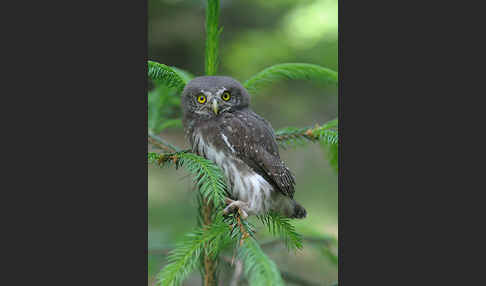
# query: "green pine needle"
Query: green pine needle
165,75
326,134
206,175
185,75
259,269
281,226
285,71
185,257
291,136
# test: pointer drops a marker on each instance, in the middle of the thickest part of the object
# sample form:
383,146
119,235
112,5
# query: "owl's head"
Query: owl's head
210,96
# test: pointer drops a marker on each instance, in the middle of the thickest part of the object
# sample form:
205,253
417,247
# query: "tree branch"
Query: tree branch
325,133
161,143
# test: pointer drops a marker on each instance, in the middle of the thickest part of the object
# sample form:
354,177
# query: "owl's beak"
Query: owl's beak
215,106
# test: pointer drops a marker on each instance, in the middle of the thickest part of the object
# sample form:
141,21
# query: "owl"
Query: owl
220,126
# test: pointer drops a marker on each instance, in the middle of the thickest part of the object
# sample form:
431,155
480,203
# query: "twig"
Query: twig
159,142
158,145
242,230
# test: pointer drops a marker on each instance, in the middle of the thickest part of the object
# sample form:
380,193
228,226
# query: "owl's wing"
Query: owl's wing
253,139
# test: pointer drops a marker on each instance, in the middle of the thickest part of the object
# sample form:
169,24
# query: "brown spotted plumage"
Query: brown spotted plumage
220,126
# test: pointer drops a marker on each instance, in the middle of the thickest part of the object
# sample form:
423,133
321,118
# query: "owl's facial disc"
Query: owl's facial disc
210,97
215,104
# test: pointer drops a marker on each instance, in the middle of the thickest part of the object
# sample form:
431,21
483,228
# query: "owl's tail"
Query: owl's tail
299,211
288,207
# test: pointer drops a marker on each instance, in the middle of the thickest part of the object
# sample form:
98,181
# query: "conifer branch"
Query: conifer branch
259,269
241,229
186,256
285,71
161,143
281,226
326,133
206,175
185,75
163,74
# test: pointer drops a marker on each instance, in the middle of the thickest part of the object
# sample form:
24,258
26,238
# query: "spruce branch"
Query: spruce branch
259,269
281,226
206,175
241,229
287,71
291,136
163,74
186,256
161,143
185,75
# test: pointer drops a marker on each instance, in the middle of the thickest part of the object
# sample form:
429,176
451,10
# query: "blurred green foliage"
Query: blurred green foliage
256,34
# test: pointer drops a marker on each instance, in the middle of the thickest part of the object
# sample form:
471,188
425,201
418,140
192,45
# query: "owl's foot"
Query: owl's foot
242,207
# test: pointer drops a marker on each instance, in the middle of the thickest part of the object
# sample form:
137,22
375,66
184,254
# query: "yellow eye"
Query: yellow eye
226,96
201,98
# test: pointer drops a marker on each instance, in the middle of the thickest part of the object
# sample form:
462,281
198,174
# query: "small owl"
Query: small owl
221,127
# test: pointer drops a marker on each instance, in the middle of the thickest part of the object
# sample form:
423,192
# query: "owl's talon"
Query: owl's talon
242,207
242,213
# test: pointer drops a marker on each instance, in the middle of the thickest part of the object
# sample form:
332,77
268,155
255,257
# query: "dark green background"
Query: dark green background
256,34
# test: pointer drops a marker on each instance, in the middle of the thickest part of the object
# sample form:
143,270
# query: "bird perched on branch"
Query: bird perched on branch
221,127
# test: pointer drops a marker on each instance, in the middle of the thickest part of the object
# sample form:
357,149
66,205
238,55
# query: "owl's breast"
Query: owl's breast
244,183
218,149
